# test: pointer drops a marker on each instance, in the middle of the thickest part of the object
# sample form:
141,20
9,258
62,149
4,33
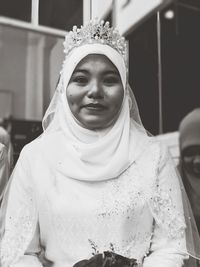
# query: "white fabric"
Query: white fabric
78,218
93,155
74,191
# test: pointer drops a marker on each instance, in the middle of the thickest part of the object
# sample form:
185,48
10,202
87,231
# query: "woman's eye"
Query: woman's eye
111,80
81,80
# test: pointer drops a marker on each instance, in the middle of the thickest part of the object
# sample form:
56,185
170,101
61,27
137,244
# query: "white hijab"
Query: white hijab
94,155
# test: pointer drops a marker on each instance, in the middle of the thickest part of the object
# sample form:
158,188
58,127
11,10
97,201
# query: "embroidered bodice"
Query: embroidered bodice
138,214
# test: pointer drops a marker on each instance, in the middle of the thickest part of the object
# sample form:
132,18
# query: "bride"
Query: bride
94,181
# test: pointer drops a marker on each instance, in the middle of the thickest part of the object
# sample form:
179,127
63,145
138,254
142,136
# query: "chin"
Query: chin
94,122
94,125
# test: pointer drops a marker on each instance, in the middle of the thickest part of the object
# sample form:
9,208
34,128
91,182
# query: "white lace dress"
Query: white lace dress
138,215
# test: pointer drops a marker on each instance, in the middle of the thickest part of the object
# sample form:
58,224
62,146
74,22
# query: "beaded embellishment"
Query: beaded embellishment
95,32
167,214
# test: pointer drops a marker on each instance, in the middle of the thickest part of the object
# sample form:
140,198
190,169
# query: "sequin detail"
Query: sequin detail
122,196
166,214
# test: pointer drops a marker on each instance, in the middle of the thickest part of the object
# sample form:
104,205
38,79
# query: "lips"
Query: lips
95,106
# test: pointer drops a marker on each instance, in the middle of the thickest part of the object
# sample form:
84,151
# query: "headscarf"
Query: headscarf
190,136
190,130
94,155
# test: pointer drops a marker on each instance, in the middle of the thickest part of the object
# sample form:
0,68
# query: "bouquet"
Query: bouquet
107,259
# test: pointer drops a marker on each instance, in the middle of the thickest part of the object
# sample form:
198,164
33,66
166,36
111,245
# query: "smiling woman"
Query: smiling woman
95,92
94,189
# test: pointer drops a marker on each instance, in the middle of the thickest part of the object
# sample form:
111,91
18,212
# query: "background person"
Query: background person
190,159
6,141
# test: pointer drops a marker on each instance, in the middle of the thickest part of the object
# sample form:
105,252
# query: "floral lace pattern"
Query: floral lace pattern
165,201
122,196
167,215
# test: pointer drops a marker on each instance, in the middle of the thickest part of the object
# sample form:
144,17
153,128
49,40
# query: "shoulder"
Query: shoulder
41,146
157,146
154,148
161,157
155,154
42,142
146,146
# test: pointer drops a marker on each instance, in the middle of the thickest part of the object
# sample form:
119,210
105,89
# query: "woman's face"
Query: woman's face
95,92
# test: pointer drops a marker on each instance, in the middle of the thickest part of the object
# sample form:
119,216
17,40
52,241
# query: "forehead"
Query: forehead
96,62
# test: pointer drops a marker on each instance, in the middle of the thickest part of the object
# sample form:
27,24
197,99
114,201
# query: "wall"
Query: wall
99,9
13,51
30,66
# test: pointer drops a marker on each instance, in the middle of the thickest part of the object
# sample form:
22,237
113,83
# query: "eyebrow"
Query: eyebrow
104,72
80,70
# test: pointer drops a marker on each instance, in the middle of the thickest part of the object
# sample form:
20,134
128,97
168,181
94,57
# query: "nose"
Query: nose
95,91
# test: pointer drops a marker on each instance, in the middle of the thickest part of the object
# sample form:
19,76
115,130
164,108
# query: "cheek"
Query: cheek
116,96
73,96
70,99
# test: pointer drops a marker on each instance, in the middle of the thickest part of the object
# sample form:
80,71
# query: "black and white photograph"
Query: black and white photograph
99,133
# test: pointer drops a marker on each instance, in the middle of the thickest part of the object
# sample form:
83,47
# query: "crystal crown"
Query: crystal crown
95,32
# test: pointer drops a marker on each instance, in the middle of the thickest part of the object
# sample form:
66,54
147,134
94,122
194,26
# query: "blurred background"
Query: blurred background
164,59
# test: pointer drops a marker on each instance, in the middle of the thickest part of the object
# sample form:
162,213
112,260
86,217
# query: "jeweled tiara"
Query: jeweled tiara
95,32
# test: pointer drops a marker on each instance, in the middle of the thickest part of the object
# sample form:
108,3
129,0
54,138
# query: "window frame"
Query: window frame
34,24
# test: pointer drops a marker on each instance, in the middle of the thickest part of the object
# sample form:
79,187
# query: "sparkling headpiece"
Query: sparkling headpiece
95,32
